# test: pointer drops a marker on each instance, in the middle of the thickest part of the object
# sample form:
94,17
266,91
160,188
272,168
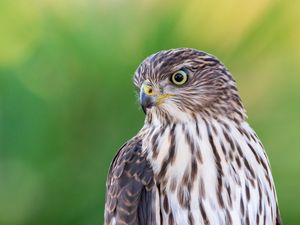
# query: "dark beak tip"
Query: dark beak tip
146,102
144,109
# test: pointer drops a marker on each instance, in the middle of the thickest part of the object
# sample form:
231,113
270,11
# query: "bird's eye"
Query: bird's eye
180,77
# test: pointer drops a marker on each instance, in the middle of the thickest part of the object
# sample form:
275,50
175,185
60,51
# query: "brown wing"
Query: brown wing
130,195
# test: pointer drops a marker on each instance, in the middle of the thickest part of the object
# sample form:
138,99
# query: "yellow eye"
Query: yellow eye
180,77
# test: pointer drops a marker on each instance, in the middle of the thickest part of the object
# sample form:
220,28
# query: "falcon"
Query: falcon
196,160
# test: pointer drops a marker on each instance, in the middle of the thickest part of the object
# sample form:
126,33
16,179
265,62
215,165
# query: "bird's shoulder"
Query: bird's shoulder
130,186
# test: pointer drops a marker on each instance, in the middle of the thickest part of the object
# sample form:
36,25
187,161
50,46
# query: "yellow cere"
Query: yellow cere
148,90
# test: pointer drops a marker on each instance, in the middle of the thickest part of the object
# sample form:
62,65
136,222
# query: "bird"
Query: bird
196,160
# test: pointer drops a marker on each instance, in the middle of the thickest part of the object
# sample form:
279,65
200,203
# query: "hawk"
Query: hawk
196,160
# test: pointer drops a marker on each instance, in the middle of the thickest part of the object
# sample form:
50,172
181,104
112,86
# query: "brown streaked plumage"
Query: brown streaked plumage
196,160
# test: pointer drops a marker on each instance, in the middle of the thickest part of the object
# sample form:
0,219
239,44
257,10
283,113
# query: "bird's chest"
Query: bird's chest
184,171
201,178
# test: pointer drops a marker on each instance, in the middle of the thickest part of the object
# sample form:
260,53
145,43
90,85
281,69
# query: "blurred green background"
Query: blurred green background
67,102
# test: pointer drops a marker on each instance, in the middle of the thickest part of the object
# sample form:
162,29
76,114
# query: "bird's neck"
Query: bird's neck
206,163
176,150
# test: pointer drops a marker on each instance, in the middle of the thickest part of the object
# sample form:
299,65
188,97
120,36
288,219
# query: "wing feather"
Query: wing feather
130,195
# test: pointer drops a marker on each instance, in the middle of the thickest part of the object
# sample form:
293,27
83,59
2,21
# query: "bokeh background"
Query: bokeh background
67,102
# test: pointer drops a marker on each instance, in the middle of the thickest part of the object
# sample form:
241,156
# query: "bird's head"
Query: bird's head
179,84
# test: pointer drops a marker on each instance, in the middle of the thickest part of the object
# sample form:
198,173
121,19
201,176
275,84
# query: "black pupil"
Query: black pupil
178,77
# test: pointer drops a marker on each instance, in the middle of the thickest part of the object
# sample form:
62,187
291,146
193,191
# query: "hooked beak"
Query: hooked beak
149,97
